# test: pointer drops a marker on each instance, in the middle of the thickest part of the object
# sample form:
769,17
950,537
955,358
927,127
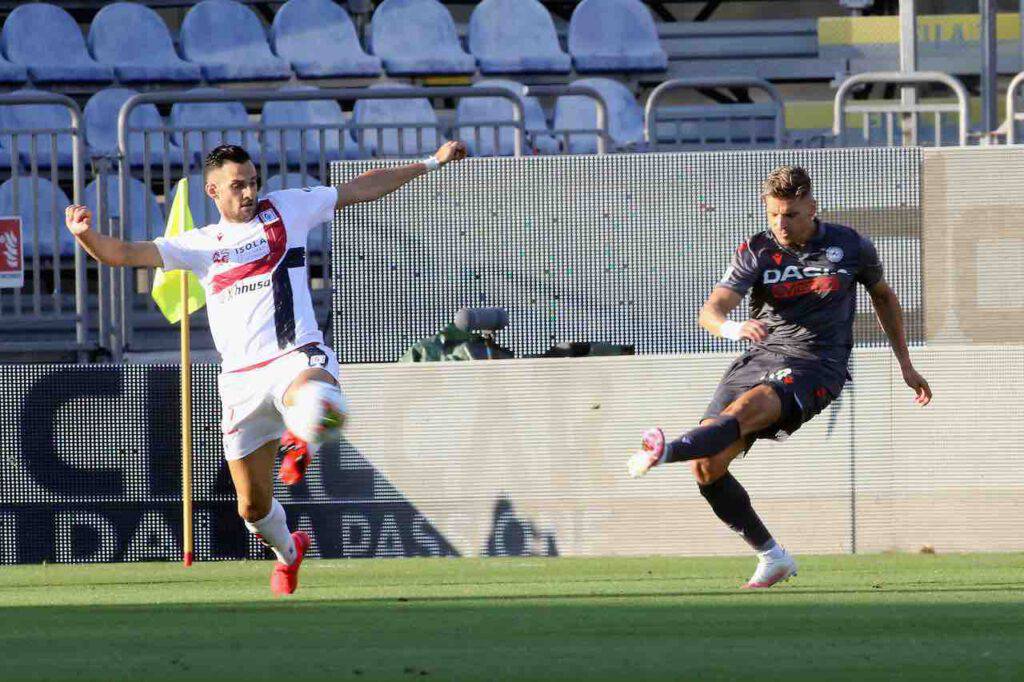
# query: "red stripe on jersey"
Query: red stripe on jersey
277,239
800,287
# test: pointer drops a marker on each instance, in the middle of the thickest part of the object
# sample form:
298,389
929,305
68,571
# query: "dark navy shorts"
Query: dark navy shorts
805,387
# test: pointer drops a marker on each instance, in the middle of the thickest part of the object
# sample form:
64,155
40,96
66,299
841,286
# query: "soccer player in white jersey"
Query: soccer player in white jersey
277,376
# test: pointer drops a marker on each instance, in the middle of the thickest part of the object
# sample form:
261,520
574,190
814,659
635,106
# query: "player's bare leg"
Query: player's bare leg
296,451
253,477
754,410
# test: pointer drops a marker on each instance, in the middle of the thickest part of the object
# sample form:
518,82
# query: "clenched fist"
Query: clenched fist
78,219
450,151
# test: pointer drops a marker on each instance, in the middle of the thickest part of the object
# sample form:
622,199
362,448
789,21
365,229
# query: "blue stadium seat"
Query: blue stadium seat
417,37
204,211
140,227
318,38
23,117
483,110
134,41
515,36
319,235
46,216
229,42
337,143
216,118
48,43
615,35
625,117
12,73
101,128
395,116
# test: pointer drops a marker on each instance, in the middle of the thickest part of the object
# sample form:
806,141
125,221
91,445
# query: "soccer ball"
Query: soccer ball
318,413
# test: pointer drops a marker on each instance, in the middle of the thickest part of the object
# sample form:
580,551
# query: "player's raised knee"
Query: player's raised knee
706,470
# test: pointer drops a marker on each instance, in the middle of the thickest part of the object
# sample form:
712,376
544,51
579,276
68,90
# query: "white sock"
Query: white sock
273,530
774,551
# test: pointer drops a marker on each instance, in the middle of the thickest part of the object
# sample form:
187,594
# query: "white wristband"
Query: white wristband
730,329
431,163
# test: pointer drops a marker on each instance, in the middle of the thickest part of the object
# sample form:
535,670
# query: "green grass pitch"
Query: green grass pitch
875,617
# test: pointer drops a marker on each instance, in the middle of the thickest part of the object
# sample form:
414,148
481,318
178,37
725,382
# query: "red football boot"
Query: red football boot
285,578
296,456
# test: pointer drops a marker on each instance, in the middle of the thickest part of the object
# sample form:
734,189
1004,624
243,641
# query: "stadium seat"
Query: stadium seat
45,216
228,41
489,110
101,113
386,118
615,35
625,117
337,142
12,73
204,211
318,38
320,234
215,118
515,36
25,117
417,37
140,227
134,41
46,41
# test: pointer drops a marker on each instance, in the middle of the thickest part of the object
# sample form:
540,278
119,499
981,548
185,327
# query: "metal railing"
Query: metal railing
752,113
1012,115
44,316
302,149
890,108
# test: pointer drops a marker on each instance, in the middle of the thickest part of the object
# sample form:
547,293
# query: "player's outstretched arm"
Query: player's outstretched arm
890,317
379,182
714,317
109,250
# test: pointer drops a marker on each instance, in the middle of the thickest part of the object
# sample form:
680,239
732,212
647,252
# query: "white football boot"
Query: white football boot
652,449
773,566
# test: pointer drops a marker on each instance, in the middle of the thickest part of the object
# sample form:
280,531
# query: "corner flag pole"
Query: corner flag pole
186,427
176,300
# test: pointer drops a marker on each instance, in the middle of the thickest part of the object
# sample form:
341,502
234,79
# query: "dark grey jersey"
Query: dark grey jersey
806,299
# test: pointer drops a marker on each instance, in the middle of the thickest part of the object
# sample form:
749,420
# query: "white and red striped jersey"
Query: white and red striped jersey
254,274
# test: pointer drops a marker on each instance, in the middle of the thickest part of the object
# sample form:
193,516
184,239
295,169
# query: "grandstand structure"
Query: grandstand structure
138,91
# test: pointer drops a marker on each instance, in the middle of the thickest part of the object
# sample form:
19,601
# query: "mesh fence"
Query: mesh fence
621,249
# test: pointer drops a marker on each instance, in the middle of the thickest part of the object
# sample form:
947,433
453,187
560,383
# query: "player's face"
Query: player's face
234,187
791,220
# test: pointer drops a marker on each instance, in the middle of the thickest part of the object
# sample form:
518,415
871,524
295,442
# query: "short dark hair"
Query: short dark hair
786,182
221,155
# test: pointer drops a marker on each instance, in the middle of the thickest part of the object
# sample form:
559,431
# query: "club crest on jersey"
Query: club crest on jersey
221,256
268,216
834,254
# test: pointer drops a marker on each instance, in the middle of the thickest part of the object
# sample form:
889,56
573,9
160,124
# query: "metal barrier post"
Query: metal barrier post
37,315
1012,115
896,78
720,82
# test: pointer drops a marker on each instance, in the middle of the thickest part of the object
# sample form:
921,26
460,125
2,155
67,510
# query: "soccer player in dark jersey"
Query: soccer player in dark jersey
802,275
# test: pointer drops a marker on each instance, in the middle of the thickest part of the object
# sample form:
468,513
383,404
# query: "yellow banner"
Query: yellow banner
932,30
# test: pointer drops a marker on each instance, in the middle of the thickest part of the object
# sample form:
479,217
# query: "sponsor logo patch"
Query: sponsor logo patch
267,217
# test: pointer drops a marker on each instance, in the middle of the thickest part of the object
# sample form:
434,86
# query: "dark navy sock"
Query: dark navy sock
731,503
704,441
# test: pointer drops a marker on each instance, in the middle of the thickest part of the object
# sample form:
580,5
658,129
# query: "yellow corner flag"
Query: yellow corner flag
168,286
